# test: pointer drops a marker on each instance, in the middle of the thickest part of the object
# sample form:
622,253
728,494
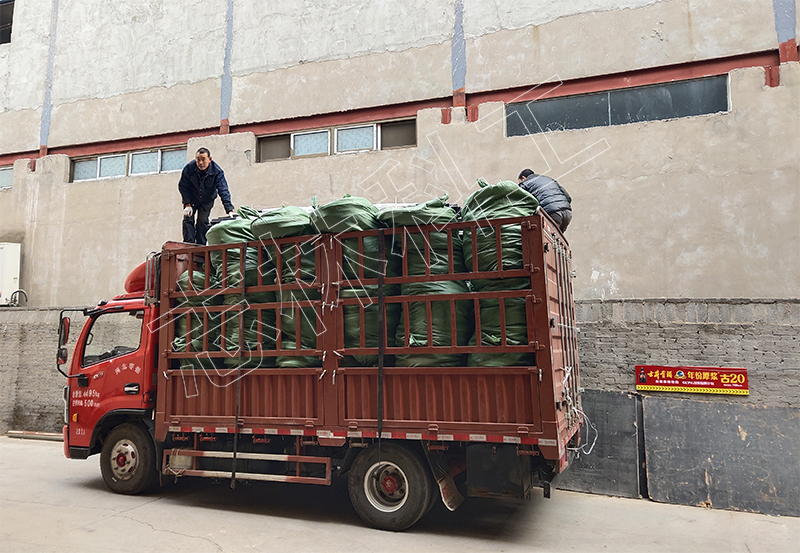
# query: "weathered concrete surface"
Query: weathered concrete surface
159,110
548,41
662,209
743,457
384,78
49,503
293,59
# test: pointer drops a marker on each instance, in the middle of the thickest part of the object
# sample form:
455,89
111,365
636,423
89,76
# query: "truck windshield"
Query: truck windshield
112,335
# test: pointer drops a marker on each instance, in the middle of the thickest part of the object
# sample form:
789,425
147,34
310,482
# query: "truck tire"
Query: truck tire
391,490
127,460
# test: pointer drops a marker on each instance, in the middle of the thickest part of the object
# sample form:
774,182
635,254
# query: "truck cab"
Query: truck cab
111,377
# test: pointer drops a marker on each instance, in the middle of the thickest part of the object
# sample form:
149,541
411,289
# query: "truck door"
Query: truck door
112,360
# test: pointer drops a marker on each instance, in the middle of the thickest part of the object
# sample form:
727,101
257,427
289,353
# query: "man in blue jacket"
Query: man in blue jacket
555,201
201,181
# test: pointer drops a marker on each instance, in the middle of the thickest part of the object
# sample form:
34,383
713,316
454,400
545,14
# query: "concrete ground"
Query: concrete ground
49,503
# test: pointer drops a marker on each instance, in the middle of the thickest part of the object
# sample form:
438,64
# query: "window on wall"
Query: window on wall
619,107
6,20
339,140
6,177
146,162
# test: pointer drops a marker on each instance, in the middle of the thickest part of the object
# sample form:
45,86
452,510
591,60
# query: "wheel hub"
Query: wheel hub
124,459
386,486
390,484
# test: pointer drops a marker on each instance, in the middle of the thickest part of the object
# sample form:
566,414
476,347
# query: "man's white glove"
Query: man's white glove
188,211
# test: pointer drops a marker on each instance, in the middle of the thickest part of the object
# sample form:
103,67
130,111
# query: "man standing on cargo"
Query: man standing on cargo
201,181
555,201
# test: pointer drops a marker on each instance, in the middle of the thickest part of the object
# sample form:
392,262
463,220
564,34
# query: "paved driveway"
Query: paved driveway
49,503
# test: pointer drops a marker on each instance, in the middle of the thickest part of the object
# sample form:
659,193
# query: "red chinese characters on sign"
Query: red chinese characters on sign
704,380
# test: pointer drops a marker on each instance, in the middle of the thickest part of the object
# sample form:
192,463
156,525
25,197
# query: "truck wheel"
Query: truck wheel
127,460
391,491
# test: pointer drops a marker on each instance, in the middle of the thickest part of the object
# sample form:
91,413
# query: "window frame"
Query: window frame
609,95
306,156
172,149
10,25
333,136
404,120
9,169
130,172
375,139
108,156
128,163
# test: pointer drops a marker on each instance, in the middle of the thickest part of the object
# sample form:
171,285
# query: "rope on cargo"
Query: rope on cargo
582,448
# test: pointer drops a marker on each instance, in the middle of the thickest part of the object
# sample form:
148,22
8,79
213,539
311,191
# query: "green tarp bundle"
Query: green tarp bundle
195,320
297,263
252,335
503,200
352,322
291,314
349,214
233,232
433,212
236,231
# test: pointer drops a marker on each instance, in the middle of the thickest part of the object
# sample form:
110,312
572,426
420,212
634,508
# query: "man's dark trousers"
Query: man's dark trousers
195,233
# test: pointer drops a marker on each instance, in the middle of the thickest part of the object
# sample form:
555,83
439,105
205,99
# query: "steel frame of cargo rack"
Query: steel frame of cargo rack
549,393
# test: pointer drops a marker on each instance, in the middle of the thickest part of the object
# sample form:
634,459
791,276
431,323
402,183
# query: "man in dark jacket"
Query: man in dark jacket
201,181
555,201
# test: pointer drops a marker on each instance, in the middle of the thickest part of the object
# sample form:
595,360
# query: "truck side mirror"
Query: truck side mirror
63,333
62,355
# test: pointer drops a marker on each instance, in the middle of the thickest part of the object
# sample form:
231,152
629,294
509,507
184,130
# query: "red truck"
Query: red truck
404,435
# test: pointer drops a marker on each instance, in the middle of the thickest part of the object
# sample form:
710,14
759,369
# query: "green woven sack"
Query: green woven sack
432,212
500,201
280,223
307,317
516,334
195,321
233,232
252,336
503,200
345,215
352,323
440,324
349,214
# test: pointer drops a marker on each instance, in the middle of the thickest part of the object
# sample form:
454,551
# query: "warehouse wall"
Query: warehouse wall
693,207
162,67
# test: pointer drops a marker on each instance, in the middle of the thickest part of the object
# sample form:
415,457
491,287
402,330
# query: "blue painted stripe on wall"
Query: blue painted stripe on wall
226,89
785,18
458,55
47,108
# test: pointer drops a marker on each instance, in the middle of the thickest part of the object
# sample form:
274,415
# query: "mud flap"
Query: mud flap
451,497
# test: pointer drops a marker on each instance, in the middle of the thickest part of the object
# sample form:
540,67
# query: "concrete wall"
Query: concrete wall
547,41
121,71
702,206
